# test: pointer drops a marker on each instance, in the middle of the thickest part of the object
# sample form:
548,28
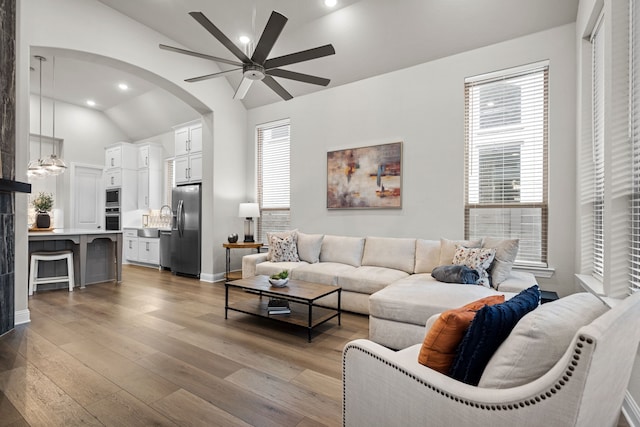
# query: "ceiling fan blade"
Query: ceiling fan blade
275,86
243,88
269,36
215,32
292,75
200,55
304,55
210,76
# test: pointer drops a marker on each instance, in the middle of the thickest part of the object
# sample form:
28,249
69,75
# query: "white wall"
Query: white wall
423,106
89,28
84,131
150,113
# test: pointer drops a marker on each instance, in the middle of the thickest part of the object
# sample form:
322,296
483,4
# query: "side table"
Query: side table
234,275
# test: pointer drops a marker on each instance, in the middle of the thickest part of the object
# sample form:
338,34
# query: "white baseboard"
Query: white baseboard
22,316
631,410
207,277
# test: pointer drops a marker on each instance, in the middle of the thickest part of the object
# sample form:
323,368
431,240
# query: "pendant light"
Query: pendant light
35,169
54,165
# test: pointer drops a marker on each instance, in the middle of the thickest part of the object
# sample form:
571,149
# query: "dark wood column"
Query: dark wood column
7,162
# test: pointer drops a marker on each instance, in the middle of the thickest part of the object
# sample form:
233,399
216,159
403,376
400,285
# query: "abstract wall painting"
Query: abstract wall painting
365,177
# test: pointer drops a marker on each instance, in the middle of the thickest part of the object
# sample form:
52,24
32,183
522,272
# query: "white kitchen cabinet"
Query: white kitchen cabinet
144,250
150,158
188,138
113,178
120,155
188,151
188,169
130,244
149,250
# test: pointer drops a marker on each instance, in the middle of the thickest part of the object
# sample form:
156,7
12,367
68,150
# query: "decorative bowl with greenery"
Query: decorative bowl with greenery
43,202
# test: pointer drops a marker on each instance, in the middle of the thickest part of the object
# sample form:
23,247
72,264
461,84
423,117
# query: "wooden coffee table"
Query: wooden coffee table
302,297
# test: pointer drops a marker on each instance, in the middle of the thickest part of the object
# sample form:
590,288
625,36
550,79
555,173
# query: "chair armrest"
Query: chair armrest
384,387
249,263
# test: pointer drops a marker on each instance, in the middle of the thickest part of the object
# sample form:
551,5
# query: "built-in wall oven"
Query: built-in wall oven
112,218
112,209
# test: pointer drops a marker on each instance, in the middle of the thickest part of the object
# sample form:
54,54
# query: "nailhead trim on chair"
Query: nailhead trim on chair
577,351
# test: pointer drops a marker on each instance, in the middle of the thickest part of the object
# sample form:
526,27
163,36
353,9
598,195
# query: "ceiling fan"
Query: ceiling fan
258,67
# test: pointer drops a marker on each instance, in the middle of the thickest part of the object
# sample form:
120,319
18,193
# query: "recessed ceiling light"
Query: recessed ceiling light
91,103
123,86
330,3
244,39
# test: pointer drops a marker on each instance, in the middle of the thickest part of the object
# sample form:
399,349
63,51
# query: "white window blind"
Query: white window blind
506,159
635,140
597,43
274,142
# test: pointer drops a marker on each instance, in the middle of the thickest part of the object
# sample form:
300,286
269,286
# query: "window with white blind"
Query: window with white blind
635,143
597,69
273,140
506,159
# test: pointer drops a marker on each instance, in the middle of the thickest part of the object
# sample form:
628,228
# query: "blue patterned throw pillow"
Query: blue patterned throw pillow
490,327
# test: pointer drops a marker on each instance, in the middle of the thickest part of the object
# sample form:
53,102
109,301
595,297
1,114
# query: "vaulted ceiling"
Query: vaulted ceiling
371,37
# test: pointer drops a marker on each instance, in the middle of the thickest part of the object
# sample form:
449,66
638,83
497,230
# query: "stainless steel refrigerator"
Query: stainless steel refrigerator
186,201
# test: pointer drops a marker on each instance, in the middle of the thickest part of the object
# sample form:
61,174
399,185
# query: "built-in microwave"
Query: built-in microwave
112,197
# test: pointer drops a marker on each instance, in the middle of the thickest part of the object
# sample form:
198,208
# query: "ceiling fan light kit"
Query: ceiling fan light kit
258,67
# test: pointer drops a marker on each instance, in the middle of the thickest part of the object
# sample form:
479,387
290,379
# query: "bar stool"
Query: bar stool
37,257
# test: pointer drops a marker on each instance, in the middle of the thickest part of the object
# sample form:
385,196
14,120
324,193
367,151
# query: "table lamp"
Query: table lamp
248,211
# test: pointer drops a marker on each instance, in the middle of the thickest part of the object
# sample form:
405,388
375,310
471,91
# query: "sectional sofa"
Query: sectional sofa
388,279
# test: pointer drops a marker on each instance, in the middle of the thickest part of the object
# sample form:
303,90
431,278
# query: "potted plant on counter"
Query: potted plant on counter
43,204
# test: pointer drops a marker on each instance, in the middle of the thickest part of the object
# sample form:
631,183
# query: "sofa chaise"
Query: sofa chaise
388,278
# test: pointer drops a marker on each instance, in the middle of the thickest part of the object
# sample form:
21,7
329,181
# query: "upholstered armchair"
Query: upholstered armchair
586,387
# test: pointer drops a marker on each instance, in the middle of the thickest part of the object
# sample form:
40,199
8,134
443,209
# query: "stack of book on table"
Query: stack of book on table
278,306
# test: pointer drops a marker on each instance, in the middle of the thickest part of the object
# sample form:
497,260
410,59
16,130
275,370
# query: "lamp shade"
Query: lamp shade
249,210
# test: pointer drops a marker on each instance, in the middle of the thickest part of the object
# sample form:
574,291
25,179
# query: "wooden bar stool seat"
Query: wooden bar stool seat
37,257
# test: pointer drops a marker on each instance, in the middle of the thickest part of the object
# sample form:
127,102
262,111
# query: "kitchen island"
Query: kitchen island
97,253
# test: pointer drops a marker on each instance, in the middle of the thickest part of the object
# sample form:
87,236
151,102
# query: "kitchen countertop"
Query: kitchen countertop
72,231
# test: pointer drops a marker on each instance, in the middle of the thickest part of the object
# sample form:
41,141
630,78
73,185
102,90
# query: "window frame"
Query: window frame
508,133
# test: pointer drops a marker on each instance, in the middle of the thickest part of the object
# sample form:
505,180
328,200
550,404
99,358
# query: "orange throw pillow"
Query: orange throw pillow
440,345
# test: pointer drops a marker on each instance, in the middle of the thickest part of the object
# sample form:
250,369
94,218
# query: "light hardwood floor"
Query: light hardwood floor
156,350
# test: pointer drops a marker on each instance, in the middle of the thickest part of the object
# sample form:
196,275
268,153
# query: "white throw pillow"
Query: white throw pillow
309,246
284,249
281,234
539,340
506,252
477,258
448,248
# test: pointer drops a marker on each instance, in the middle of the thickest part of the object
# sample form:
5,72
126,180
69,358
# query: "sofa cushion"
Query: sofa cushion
419,296
283,249
342,249
269,268
321,272
448,249
390,252
490,327
369,279
442,340
477,258
427,255
506,252
309,246
281,234
517,281
539,340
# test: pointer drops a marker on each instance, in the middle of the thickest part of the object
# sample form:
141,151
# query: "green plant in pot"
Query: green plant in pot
43,204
